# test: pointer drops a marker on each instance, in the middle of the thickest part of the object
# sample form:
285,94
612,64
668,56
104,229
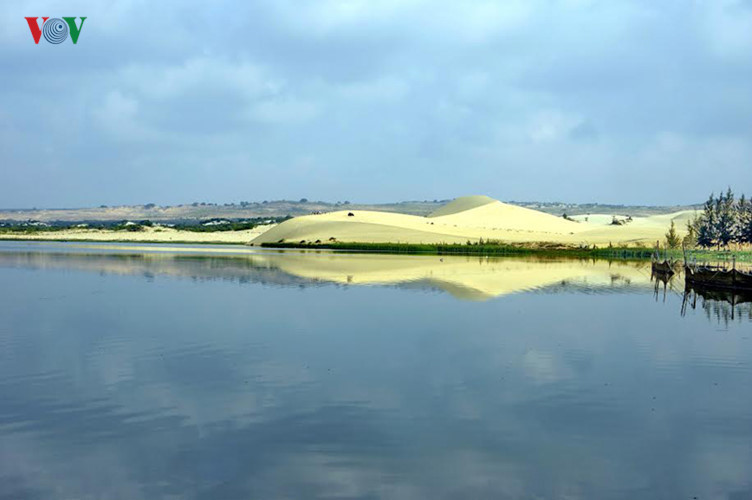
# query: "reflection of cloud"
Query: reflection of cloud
200,388
542,367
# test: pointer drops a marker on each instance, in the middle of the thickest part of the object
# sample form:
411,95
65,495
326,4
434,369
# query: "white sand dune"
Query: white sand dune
159,234
501,216
469,219
664,220
640,230
463,204
465,219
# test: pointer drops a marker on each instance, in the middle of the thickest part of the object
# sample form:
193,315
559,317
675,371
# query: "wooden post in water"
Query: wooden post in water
684,251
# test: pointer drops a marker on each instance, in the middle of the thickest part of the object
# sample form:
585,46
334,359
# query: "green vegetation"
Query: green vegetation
724,220
495,248
690,239
202,226
672,238
490,248
132,226
14,229
217,227
715,256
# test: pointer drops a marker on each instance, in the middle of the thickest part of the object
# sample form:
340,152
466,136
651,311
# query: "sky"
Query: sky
169,102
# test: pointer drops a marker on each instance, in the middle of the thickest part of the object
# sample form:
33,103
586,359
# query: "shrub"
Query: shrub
672,238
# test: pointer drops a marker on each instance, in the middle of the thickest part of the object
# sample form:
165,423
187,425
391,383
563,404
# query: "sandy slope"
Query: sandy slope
462,204
469,212
464,219
149,234
469,218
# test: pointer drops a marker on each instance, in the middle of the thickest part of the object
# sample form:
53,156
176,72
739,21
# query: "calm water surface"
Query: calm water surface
168,372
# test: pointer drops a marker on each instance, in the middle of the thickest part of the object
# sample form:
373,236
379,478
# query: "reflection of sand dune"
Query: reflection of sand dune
475,278
468,218
466,277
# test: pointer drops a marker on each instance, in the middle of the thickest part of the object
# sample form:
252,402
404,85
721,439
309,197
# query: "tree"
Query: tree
707,225
744,223
690,239
303,200
672,238
726,221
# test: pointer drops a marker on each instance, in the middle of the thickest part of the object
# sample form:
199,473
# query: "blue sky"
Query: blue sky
180,101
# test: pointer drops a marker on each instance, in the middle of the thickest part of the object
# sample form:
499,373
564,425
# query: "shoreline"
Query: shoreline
551,250
481,250
146,234
637,252
135,242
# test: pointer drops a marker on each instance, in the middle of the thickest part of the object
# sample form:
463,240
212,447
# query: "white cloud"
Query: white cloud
388,88
118,115
727,27
516,91
161,82
284,111
552,125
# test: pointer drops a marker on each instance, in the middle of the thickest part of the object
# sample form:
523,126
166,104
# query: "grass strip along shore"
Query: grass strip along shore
501,249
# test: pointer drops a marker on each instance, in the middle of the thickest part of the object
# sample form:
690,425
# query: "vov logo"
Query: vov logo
55,30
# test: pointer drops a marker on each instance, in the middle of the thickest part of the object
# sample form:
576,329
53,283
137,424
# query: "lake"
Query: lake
153,371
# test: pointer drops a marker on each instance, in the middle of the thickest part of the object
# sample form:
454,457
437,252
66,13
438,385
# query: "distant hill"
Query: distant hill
196,212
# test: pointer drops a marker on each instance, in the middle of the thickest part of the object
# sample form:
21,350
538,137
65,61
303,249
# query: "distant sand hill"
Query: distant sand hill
470,218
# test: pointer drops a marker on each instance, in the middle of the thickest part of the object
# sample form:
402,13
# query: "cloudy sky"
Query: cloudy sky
181,101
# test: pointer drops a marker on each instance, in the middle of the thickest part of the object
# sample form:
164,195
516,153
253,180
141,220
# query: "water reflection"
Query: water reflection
173,374
722,306
665,283
468,278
